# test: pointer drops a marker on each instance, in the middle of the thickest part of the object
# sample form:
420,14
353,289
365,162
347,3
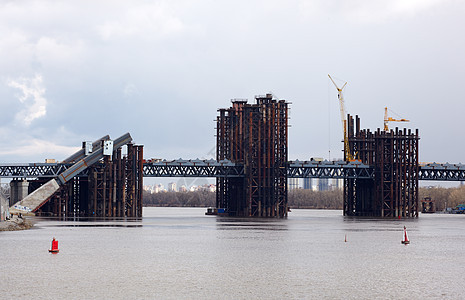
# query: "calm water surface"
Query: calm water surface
178,253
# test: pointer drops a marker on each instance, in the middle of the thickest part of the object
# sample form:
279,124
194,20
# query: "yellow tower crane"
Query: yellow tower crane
343,119
389,119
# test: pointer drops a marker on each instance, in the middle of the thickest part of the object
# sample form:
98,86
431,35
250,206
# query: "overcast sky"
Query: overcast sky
72,71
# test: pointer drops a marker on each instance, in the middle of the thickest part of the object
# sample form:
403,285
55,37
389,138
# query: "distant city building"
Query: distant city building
307,183
323,184
338,184
211,188
172,187
158,188
292,184
206,187
153,189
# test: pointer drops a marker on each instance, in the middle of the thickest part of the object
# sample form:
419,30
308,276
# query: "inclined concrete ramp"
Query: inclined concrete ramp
35,199
39,197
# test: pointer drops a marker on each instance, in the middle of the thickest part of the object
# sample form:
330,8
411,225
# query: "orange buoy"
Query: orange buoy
54,248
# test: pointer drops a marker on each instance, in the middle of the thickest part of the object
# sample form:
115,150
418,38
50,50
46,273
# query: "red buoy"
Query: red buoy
54,247
405,239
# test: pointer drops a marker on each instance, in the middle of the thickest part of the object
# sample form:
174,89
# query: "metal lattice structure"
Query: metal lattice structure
254,135
441,172
193,168
213,169
394,156
32,170
329,169
112,187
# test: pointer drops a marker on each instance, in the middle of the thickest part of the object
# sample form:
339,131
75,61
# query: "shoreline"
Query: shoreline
15,224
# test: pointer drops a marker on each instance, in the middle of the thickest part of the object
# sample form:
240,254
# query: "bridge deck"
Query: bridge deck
226,168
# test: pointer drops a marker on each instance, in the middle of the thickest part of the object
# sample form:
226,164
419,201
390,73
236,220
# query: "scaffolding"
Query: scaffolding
394,156
254,135
112,188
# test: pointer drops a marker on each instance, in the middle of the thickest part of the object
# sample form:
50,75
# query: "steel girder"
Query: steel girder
32,170
441,174
330,172
181,168
438,172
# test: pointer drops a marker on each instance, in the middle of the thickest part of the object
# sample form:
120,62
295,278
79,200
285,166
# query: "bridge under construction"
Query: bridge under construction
380,170
97,181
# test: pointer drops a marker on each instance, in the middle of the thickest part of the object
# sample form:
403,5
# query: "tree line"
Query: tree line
442,197
296,199
180,199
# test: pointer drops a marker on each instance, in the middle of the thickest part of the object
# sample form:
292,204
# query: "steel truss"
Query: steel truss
193,168
393,191
335,169
112,188
212,168
32,170
442,172
254,135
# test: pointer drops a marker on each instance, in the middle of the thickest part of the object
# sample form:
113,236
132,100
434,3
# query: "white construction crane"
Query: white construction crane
348,155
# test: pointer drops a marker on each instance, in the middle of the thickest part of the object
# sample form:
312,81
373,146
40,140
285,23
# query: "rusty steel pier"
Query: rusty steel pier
254,135
113,188
393,154
97,181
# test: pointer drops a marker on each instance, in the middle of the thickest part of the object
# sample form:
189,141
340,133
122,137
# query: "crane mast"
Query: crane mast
347,153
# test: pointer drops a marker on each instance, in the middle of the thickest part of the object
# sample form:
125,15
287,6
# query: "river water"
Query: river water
179,253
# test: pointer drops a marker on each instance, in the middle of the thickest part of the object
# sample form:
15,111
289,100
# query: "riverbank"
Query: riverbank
16,223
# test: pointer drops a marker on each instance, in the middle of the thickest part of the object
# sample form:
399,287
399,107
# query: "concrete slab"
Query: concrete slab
34,200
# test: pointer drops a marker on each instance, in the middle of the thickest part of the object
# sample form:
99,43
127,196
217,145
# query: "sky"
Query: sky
73,71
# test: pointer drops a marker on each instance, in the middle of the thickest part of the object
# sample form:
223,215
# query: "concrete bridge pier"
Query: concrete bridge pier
19,189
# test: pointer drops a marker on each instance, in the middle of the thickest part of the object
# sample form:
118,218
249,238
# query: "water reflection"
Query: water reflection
93,225
89,219
87,222
227,223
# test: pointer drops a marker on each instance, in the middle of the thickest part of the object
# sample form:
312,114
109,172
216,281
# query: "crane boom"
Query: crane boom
347,153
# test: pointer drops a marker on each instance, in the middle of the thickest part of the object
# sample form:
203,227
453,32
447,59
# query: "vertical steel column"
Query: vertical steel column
139,179
221,141
255,135
130,182
394,155
120,191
